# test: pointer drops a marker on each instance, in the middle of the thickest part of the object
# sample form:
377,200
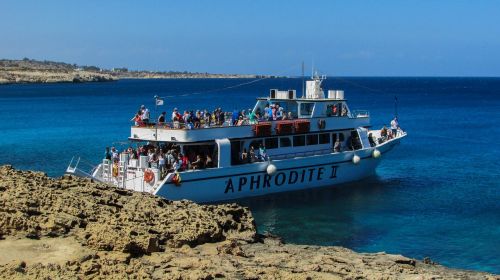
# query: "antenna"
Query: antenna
303,82
312,69
395,106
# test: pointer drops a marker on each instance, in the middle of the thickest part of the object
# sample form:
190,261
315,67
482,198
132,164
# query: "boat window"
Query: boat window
271,143
324,138
235,152
285,142
355,140
341,137
306,108
255,143
299,140
290,106
312,139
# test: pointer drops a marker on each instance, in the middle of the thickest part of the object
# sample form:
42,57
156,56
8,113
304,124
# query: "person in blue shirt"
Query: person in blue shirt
269,112
234,117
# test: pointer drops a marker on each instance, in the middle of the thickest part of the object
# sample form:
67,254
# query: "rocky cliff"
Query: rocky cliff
32,71
73,228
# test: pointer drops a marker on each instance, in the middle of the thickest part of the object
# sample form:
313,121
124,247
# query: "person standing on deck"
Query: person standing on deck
161,118
145,114
115,155
175,114
161,164
234,117
207,118
252,119
107,154
279,113
262,153
268,112
338,146
394,126
273,112
137,119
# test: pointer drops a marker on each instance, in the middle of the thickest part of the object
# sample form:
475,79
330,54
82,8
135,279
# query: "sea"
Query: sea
435,195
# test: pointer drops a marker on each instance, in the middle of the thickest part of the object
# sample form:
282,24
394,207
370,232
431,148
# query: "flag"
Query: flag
159,101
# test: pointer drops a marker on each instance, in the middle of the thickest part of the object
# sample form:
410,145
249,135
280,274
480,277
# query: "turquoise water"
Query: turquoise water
436,195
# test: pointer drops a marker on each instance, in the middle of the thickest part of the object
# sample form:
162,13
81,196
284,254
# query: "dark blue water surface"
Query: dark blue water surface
435,195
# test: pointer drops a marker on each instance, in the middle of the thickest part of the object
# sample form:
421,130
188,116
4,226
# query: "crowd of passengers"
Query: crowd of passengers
385,133
253,155
166,157
204,118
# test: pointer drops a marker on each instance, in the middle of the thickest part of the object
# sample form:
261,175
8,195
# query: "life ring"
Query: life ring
115,170
176,179
321,124
149,176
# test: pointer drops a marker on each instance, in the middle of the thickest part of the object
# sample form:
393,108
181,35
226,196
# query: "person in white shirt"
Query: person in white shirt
151,157
145,114
337,147
161,163
394,126
114,154
175,114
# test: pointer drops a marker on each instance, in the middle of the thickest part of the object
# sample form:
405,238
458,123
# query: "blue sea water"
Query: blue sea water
436,195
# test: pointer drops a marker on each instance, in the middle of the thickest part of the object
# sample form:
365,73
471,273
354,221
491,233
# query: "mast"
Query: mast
395,106
303,81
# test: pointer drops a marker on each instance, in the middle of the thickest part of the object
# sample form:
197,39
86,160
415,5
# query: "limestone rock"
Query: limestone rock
102,232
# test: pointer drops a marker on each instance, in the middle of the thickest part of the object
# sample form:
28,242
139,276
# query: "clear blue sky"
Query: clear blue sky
348,38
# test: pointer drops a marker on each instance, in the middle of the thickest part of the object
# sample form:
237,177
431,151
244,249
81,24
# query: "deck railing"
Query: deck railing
228,123
360,114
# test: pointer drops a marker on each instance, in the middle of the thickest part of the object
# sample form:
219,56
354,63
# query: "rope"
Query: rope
358,85
229,87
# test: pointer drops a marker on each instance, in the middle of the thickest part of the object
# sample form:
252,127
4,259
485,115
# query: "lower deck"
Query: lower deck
228,162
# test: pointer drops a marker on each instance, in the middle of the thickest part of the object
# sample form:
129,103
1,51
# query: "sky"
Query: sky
339,38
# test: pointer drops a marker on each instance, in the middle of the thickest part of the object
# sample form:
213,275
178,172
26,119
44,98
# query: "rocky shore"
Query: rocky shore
73,228
33,71
29,71
42,77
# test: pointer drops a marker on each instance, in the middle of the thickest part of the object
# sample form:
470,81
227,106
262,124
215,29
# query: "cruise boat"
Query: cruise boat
321,144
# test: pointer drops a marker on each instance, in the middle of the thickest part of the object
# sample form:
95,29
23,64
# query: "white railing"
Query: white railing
88,170
360,114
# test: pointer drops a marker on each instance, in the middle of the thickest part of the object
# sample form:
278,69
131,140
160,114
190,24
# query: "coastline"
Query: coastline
28,71
36,77
72,227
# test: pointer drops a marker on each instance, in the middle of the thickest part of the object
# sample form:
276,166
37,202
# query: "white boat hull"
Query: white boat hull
293,174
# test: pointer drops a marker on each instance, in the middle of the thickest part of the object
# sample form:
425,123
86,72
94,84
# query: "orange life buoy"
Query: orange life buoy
176,179
149,176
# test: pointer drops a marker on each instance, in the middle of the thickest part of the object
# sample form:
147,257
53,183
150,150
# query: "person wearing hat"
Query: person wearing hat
175,114
207,118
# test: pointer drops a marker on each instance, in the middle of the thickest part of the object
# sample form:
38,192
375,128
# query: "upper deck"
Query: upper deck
169,134
325,113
